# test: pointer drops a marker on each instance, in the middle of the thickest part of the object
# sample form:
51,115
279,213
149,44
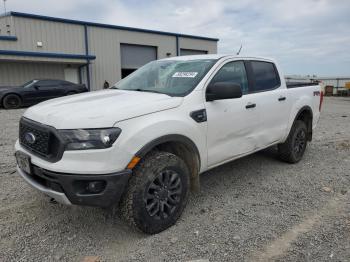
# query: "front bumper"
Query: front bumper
87,162
74,188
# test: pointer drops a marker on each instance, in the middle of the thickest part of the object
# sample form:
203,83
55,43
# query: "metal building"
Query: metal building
35,46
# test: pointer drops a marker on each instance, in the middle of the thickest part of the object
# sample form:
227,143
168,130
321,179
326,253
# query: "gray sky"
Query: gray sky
305,36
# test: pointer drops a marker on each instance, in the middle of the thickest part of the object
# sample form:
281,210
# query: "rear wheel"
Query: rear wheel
157,193
12,101
292,150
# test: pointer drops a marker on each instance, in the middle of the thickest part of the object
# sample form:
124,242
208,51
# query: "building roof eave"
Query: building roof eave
79,22
46,54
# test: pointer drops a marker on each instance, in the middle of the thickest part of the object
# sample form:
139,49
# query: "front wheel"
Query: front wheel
293,149
157,192
11,101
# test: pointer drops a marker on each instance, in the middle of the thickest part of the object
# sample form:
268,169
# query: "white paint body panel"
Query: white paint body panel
98,109
231,131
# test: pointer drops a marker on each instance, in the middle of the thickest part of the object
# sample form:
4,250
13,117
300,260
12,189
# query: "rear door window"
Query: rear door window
265,76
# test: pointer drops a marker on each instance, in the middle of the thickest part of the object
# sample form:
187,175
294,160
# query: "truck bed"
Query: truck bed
299,84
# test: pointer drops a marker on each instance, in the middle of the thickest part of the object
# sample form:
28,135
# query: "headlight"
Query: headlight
82,139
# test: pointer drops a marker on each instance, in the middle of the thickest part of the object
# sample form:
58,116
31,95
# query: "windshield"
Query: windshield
170,77
29,83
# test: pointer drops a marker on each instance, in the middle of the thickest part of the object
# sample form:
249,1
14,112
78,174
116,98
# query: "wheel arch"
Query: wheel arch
181,146
305,114
9,93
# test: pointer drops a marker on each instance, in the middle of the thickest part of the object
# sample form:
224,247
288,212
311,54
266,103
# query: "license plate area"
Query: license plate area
23,162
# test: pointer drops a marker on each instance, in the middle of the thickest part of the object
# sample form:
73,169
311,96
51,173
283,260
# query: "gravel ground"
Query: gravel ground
255,208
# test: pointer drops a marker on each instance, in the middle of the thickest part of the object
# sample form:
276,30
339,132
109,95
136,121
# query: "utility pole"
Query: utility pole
8,30
5,5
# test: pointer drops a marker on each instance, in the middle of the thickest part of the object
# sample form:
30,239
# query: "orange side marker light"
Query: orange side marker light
133,162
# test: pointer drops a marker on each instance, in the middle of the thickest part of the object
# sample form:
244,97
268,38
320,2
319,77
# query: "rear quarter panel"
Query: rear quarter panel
80,88
301,97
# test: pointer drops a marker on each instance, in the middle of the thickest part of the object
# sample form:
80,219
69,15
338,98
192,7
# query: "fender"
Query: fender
309,127
304,108
194,169
9,92
168,138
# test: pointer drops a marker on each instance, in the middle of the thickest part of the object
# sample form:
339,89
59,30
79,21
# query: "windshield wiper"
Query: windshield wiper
147,90
140,90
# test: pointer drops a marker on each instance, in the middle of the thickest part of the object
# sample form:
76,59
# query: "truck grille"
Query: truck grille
41,140
41,144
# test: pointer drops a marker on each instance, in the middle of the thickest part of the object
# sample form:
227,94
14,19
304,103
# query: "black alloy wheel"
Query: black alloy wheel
12,101
293,149
157,193
163,194
300,142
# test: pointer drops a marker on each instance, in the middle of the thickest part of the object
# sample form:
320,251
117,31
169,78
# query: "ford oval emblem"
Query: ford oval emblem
30,138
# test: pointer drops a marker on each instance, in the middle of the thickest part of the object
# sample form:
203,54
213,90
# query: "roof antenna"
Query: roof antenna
239,50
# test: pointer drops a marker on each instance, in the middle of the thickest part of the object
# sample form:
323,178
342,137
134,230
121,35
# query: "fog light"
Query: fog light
96,186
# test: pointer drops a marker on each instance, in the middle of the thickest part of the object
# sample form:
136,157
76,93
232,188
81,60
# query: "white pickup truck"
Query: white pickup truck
143,143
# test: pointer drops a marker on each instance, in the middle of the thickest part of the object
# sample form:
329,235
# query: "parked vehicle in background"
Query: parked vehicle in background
143,143
36,91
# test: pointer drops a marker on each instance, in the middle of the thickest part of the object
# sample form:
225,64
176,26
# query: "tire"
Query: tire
12,101
145,198
293,149
71,93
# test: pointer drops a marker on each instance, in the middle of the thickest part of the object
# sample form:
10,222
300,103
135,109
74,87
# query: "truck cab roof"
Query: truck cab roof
217,56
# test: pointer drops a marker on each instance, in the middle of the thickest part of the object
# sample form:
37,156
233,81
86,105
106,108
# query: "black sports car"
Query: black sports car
36,91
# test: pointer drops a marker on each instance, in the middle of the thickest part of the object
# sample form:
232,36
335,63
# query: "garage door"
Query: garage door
71,74
135,56
184,51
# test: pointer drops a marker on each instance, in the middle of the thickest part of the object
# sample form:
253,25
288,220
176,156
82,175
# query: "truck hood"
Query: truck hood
99,109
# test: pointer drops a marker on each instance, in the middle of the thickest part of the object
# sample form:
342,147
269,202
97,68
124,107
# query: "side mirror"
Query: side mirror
36,87
223,90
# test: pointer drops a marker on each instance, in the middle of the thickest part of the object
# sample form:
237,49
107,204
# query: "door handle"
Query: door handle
250,105
282,98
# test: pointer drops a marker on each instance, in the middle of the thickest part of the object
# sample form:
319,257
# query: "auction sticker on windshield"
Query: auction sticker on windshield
185,74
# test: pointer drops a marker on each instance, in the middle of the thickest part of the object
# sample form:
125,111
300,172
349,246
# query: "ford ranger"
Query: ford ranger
142,144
